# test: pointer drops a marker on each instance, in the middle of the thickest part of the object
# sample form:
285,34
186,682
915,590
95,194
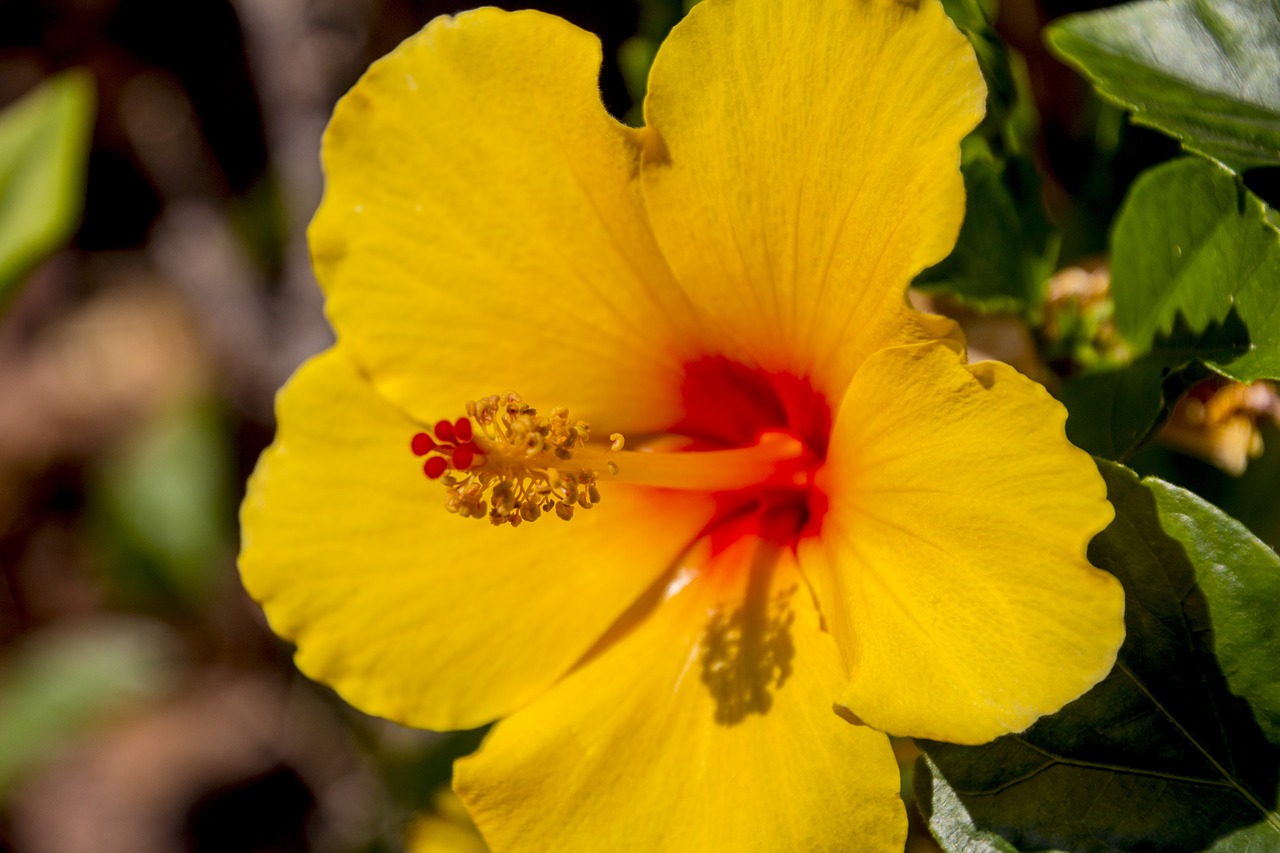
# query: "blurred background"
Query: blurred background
144,705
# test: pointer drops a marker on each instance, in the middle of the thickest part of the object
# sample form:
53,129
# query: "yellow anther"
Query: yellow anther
517,465
522,466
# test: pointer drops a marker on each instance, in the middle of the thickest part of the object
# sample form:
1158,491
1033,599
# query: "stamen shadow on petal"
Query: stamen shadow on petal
747,652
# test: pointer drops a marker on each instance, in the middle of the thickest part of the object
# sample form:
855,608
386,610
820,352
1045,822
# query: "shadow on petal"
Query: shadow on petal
747,652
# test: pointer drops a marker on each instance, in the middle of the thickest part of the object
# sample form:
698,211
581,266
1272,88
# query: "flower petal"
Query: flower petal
952,566
413,613
800,168
708,728
482,226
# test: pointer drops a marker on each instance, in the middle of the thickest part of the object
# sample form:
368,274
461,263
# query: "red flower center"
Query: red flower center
729,405
753,440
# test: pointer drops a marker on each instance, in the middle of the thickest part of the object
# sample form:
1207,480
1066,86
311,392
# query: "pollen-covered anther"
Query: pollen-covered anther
507,463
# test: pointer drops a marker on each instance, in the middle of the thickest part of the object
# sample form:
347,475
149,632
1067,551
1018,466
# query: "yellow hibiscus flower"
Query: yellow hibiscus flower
818,500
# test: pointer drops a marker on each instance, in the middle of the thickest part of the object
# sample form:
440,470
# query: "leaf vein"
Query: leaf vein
1271,817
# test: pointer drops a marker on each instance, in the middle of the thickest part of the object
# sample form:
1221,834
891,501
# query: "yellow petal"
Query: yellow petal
951,563
481,225
709,728
802,165
406,610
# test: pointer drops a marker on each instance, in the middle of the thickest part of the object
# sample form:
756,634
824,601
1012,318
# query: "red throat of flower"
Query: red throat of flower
751,439
729,405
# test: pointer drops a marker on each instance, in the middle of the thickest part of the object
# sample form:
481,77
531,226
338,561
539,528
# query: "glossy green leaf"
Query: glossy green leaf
1178,749
1192,242
44,139
1195,278
1203,71
62,680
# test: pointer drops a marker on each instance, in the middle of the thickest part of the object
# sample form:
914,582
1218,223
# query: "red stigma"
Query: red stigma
452,448
435,467
463,456
422,444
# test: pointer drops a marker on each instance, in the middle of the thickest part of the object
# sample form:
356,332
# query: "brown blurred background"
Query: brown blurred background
143,704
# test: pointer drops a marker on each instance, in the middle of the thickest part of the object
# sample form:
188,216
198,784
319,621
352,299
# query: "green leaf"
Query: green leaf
1202,71
1195,278
44,139
1178,749
1114,412
635,58
636,54
970,14
1002,256
63,680
164,508
1007,246
1191,241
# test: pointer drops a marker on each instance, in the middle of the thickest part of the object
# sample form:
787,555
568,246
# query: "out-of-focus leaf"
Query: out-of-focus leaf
1178,749
415,763
63,680
260,220
44,139
970,13
1011,125
1007,245
165,504
636,54
635,58
1002,257
446,829
1203,71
